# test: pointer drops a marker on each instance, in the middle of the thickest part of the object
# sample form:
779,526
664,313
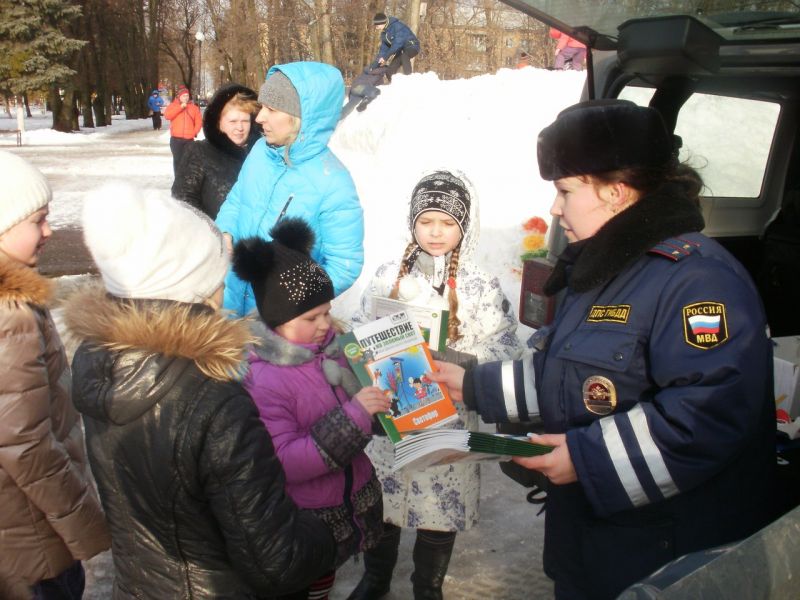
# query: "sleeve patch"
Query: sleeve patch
705,325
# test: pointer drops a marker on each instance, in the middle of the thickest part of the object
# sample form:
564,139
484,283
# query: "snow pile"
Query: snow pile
486,127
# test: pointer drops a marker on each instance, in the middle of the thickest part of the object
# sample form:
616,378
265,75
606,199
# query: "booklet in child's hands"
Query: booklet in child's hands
392,354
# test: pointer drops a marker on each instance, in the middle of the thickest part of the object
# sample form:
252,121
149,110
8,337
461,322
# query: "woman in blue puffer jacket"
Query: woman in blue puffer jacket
293,173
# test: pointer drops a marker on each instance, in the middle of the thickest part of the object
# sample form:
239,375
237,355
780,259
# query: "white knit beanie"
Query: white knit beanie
149,245
23,190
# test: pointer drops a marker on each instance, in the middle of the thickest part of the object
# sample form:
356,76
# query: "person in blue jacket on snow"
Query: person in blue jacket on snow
654,381
398,45
293,173
155,103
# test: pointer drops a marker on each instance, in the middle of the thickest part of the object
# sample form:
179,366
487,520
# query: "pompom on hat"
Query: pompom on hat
149,245
24,191
286,281
279,93
598,136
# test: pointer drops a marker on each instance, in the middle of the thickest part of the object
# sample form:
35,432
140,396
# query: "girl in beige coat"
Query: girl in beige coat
50,517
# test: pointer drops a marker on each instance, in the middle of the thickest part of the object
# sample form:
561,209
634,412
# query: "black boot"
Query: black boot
378,566
432,552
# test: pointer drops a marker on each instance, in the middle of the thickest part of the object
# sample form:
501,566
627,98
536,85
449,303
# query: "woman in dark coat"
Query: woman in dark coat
208,169
193,491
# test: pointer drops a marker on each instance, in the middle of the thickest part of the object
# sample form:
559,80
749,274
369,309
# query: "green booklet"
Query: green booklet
392,355
425,448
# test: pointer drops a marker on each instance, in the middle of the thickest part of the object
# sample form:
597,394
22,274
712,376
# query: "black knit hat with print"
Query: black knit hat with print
286,281
444,192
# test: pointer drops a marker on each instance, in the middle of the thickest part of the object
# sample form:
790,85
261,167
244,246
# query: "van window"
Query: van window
726,139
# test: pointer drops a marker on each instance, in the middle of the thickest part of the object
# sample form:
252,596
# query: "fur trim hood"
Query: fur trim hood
195,332
213,113
272,348
624,239
20,284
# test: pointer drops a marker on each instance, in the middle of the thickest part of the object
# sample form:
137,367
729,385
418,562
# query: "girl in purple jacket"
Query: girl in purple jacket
313,406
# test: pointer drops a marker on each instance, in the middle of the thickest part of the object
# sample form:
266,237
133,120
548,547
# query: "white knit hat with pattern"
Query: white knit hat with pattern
149,245
23,190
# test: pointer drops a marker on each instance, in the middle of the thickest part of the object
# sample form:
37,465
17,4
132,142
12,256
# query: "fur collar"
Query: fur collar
213,342
625,238
20,284
272,348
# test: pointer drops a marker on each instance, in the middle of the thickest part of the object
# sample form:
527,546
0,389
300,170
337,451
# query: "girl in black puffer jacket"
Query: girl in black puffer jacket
209,168
187,473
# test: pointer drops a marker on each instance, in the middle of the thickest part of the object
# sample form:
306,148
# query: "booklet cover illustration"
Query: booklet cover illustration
392,354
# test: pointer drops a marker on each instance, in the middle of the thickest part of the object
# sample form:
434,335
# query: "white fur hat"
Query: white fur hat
24,190
149,245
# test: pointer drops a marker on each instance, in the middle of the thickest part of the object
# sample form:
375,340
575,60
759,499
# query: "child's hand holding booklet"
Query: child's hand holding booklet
392,355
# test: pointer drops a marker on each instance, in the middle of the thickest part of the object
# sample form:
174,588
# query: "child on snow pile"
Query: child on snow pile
435,270
51,516
194,491
319,418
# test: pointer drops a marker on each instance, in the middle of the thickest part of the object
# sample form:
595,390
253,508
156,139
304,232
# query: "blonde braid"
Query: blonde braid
453,334
403,269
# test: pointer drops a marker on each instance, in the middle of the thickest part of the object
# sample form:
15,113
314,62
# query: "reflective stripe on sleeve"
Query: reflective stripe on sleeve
622,463
531,397
509,397
652,455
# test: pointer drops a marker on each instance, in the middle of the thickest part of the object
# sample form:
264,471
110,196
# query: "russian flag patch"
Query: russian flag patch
705,325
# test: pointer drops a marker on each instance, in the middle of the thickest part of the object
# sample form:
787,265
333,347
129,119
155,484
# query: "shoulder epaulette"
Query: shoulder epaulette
674,249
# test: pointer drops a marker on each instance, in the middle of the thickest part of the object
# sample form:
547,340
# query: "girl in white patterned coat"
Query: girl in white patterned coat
435,270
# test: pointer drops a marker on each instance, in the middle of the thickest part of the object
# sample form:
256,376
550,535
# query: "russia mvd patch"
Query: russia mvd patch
705,325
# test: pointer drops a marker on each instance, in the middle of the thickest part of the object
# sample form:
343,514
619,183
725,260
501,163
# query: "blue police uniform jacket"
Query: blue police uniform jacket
659,370
394,37
313,185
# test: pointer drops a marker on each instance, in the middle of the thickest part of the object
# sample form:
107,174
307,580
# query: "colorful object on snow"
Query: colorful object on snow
534,243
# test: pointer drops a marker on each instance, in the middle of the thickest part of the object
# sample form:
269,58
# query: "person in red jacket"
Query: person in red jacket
185,123
570,53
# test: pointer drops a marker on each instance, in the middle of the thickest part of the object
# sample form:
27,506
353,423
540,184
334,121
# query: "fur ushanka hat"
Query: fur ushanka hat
598,136
286,281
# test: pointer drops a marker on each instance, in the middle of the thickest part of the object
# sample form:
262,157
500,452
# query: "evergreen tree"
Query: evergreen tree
35,53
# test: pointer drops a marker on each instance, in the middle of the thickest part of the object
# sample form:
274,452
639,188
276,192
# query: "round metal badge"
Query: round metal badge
599,395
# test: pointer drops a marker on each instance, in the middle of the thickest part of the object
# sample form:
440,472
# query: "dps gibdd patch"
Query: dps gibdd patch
705,325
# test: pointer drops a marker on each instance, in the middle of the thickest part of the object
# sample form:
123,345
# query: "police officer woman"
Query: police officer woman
654,382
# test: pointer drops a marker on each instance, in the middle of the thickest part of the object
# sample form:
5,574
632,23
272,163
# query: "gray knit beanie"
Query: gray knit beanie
279,93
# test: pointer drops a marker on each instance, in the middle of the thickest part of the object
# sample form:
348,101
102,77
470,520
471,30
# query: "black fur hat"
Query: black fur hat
286,281
598,136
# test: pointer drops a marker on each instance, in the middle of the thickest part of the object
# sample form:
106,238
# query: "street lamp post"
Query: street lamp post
200,39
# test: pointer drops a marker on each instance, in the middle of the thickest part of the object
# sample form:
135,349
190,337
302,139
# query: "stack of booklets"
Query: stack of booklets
425,448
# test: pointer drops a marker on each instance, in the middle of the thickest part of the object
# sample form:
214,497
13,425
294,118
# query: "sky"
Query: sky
485,127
